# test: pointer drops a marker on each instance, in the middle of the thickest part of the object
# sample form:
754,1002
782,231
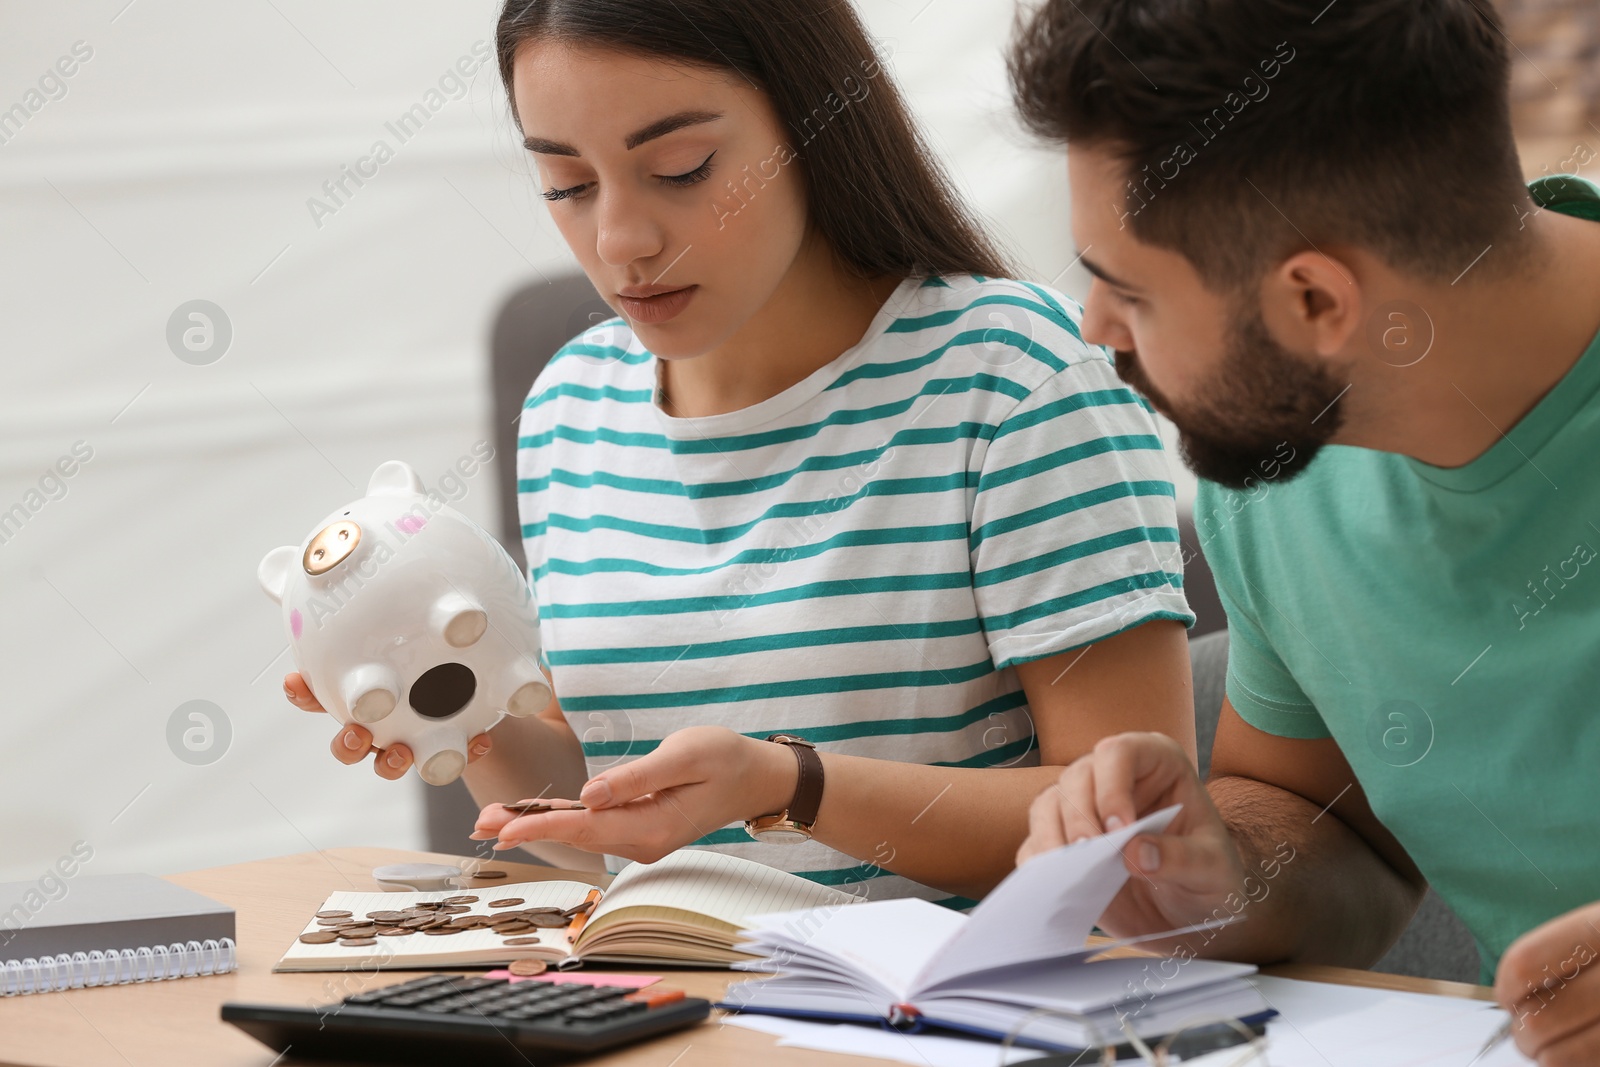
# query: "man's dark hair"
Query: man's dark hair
1252,129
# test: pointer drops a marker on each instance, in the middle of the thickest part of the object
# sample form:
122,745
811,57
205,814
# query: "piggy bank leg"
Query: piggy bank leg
458,620
440,760
371,691
529,691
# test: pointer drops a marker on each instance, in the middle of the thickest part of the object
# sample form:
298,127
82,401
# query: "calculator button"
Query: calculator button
473,985
447,1005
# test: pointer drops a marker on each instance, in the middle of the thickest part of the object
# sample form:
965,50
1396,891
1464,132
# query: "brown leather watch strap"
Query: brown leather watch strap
808,789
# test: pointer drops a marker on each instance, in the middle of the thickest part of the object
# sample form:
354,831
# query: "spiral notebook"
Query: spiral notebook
109,929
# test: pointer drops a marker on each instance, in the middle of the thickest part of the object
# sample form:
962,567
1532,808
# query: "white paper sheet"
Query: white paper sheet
924,1050
1043,909
887,941
1320,1025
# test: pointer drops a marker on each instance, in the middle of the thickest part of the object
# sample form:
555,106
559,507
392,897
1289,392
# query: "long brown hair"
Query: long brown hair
874,190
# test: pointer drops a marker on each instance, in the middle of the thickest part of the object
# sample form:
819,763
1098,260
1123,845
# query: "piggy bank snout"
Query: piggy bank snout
331,546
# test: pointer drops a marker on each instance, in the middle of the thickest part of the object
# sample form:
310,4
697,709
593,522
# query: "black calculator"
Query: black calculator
454,1019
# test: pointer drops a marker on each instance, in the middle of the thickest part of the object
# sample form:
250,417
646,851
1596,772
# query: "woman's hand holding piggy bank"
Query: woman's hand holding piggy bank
410,625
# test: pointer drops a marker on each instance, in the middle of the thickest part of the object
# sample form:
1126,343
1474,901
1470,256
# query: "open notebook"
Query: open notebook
687,908
911,964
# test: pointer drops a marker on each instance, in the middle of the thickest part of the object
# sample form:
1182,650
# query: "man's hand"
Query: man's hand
1550,983
697,780
1188,874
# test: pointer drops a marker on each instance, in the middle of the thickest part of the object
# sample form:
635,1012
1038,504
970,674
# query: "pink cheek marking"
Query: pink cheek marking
295,622
410,524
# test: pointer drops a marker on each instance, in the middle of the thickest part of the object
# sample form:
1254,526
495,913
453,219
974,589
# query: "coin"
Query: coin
385,916
393,931
319,937
580,908
539,807
521,941
333,913
463,898
358,942
526,968
330,922
440,931
548,921
506,902
488,875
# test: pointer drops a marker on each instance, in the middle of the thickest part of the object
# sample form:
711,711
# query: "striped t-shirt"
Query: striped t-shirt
860,559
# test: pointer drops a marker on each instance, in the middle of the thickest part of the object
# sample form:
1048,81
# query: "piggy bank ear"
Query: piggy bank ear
395,478
273,574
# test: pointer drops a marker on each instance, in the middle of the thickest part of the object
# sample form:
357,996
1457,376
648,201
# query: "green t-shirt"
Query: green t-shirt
1443,626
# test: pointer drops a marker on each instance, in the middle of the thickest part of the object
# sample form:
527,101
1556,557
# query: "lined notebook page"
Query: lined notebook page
710,883
557,894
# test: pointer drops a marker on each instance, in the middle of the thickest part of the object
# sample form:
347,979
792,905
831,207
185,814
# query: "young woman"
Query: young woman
828,475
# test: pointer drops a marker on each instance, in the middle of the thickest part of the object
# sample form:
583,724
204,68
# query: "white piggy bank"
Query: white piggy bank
407,617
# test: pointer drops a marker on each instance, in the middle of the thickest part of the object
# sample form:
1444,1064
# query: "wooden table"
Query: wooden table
170,1024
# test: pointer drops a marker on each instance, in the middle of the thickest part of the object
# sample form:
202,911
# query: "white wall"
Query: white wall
178,166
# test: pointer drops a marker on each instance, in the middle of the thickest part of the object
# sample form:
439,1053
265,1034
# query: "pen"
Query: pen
582,917
1496,1039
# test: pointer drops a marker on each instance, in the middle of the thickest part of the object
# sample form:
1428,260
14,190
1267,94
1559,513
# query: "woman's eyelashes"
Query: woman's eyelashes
693,177
561,194
676,181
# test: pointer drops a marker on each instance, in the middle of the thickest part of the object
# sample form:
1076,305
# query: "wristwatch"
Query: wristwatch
793,825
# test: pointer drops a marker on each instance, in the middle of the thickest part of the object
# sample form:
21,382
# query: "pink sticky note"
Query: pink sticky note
630,981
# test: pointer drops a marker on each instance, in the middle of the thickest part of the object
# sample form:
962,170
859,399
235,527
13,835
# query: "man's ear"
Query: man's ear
1312,302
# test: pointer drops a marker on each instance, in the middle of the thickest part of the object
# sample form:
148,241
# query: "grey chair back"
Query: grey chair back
530,326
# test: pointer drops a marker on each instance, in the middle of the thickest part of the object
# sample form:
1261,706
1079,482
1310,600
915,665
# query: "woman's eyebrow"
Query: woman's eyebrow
658,128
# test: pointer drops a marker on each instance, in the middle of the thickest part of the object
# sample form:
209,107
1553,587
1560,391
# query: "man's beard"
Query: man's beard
1264,401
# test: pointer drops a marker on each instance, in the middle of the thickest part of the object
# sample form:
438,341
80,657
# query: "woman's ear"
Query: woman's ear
1313,301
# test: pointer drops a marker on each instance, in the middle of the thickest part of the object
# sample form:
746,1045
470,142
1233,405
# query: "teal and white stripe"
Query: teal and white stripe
860,559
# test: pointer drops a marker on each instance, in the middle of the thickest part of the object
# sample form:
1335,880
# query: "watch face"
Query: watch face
780,836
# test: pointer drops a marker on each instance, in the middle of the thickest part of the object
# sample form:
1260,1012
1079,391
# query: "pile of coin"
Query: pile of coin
441,918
